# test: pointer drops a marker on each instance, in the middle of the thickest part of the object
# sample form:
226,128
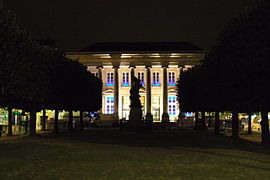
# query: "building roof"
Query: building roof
142,47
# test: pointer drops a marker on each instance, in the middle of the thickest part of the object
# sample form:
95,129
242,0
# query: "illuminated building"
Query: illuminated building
157,65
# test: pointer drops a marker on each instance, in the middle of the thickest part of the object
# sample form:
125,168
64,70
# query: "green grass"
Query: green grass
110,154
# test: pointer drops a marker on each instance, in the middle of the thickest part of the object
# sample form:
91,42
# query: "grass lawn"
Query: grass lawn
110,154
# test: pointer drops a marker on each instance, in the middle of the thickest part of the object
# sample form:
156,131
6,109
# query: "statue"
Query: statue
134,93
135,115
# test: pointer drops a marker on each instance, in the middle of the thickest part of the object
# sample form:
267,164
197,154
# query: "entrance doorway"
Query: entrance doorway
125,107
156,108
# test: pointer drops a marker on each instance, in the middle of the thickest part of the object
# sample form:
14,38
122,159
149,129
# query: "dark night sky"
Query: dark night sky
74,24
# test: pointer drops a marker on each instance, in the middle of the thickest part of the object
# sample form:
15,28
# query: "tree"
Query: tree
35,77
190,90
13,44
238,66
73,87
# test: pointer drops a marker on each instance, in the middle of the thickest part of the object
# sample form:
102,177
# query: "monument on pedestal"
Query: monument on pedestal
135,115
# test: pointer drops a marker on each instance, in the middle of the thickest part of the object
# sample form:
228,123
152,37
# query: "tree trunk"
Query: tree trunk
196,120
182,117
209,119
81,120
9,121
44,119
265,127
203,121
249,123
235,125
70,120
217,122
32,124
55,127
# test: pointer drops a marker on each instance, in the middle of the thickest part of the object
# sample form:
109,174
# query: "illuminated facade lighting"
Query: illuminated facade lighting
141,64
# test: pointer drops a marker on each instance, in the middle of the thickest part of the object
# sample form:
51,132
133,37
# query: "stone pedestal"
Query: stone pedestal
135,120
149,120
165,118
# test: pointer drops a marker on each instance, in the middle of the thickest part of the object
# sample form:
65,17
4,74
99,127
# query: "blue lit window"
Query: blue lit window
172,105
141,77
109,79
125,80
188,114
156,81
109,105
171,79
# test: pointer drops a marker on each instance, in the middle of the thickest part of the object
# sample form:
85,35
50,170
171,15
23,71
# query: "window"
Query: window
109,79
141,77
125,80
109,105
188,114
125,107
172,105
95,74
156,108
156,79
171,79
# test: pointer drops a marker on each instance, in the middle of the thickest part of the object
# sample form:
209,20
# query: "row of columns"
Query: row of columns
165,115
116,91
149,116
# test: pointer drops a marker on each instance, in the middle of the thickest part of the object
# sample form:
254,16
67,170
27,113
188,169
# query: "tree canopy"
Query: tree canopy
34,77
235,74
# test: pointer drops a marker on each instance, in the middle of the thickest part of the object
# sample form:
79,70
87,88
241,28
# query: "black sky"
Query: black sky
74,24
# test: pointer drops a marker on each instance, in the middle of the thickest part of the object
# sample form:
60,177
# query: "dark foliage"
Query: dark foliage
235,75
35,77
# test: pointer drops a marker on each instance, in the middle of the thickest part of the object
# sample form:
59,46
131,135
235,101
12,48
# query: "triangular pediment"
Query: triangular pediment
142,91
171,90
105,91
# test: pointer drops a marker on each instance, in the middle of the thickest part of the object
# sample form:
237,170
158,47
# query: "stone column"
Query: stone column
100,68
132,74
149,116
181,115
181,69
165,115
100,72
116,91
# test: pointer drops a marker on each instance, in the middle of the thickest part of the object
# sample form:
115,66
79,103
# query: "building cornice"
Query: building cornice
175,58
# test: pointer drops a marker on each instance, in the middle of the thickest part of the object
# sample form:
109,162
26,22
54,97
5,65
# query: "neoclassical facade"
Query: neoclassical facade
157,65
